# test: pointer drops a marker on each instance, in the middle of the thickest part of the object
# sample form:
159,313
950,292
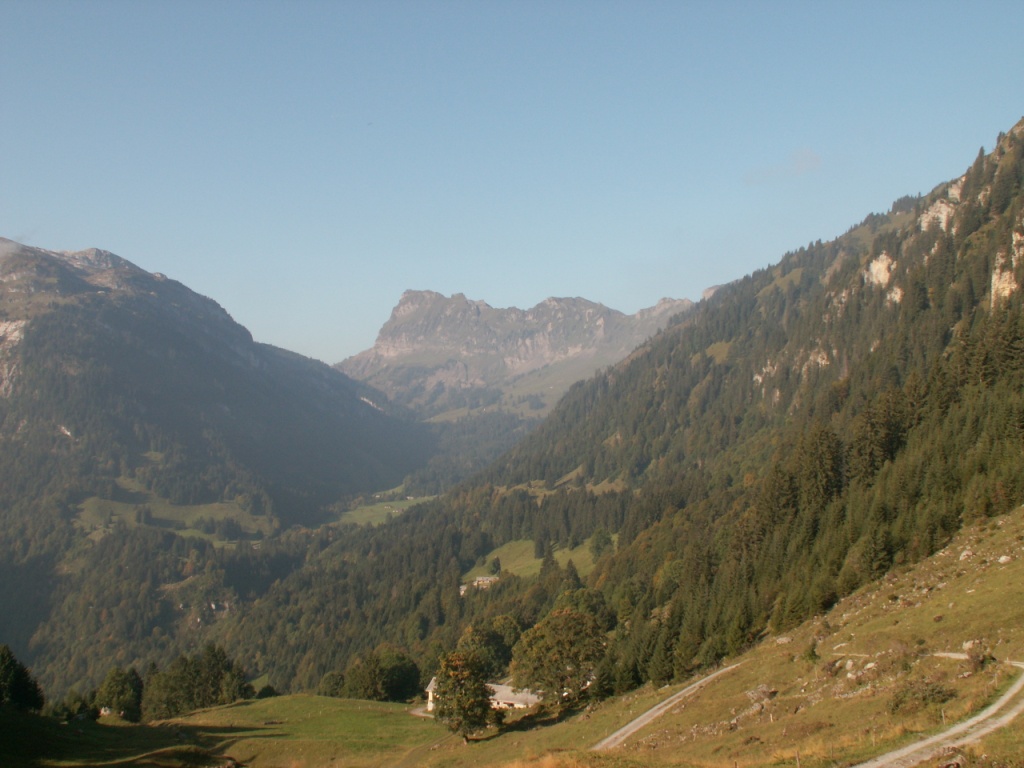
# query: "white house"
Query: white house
480,582
502,696
507,697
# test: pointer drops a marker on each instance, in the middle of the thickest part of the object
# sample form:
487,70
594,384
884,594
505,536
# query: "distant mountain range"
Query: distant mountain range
108,372
439,353
799,433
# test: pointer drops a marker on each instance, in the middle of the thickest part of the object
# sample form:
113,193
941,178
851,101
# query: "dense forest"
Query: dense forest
801,432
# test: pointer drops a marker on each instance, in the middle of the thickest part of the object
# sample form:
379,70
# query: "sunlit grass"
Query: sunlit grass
312,731
97,516
517,557
379,512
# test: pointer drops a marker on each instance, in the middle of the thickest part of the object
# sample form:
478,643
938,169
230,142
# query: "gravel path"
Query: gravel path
989,719
657,711
993,717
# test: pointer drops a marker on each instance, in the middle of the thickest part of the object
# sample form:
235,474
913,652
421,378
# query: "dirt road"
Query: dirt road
997,715
993,717
655,712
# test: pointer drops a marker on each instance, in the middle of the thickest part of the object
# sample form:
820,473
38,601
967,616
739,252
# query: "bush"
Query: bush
917,694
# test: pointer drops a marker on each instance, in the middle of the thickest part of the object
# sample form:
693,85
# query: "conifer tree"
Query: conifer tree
17,686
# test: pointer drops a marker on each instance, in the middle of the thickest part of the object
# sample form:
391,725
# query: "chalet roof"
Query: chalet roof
501,695
506,694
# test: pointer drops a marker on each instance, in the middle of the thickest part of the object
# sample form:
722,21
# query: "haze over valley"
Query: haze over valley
579,385
177,496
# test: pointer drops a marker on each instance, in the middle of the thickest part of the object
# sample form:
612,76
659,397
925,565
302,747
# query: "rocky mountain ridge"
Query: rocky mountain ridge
435,347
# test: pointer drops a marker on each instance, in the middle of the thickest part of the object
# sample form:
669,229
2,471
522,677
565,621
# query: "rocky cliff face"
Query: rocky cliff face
437,351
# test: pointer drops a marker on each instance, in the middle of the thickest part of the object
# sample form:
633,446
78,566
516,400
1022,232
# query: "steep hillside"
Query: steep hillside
801,433
128,401
439,353
904,659
807,428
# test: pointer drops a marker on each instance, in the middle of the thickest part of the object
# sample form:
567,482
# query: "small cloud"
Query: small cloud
800,163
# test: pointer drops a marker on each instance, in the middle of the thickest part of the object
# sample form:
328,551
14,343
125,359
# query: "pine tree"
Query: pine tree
17,686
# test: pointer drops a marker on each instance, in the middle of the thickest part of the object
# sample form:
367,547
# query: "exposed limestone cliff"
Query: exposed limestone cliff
435,347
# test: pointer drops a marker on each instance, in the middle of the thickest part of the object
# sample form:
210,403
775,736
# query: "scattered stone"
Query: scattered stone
1005,559
783,640
762,693
966,554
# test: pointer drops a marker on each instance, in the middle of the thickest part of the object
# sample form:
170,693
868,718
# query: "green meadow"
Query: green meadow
134,505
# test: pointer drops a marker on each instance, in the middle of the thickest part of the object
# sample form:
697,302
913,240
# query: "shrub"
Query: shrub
916,694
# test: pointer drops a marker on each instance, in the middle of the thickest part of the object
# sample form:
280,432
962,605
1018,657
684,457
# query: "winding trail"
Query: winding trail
989,719
657,711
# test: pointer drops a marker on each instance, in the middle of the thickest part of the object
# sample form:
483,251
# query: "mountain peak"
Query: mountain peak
434,343
94,260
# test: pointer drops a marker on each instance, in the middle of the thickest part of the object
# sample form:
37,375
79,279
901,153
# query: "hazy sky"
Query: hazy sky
303,163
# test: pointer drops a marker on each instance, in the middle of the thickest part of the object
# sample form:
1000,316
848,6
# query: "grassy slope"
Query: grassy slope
379,512
97,516
306,730
287,731
835,709
517,557
832,709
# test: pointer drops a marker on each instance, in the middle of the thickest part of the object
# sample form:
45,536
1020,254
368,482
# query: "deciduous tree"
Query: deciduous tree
121,691
558,657
463,698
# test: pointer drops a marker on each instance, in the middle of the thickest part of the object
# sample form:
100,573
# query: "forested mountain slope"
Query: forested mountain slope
120,389
807,427
798,434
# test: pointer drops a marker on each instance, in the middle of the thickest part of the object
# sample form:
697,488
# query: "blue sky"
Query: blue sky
304,163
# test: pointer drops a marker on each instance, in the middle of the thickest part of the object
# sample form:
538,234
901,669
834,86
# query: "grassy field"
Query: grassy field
26,740
821,695
96,516
379,512
300,731
517,558
293,731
